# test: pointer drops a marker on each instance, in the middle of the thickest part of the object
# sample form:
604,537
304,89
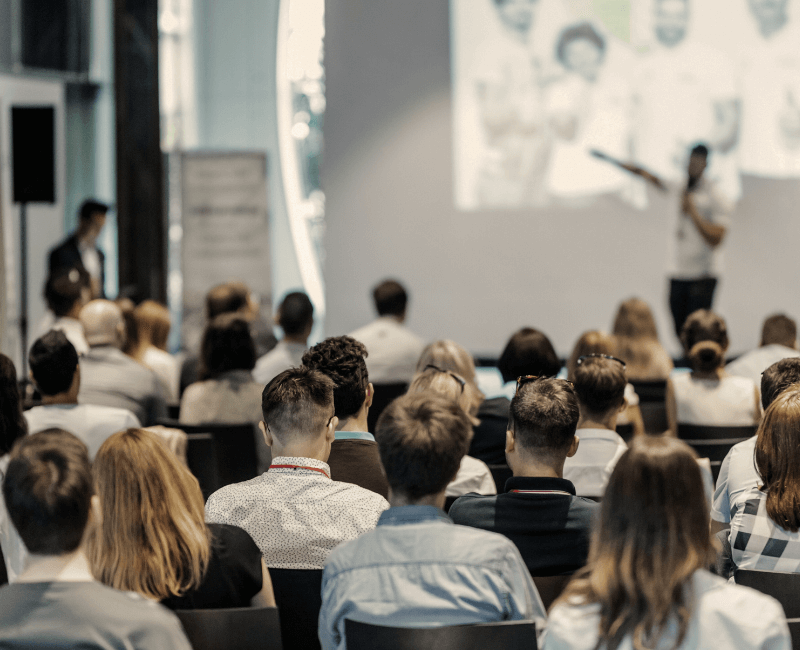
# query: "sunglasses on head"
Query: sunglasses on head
597,355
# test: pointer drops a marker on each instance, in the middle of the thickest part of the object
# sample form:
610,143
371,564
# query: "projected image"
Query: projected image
542,86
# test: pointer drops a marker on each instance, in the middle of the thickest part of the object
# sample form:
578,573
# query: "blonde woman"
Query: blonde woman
153,324
449,355
153,538
636,342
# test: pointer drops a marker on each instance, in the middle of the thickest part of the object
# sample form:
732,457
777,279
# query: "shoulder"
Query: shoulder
734,605
468,509
744,383
230,496
572,625
110,414
360,497
236,541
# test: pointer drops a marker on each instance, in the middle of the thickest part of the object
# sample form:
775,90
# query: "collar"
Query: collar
302,466
401,515
537,483
599,434
354,435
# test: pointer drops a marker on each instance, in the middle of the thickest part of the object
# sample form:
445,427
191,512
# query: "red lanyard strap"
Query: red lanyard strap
313,469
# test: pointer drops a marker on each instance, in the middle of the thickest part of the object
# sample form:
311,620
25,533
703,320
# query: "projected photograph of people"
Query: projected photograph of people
549,94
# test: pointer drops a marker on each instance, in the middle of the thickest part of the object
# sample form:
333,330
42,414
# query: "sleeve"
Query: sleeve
524,599
240,558
566,631
776,631
330,635
721,505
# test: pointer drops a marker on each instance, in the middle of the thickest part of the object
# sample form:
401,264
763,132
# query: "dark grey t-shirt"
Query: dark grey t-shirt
84,615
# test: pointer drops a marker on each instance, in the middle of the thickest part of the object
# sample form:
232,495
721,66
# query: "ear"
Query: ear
330,431
370,395
573,448
511,441
266,433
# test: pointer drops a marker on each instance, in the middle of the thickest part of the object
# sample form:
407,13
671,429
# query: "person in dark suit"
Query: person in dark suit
80,250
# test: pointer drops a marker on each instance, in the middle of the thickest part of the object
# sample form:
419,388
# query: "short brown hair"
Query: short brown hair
226,298
390,298
779,329
600,384
777,378
544,416
298,399
48,491
421,440
705,338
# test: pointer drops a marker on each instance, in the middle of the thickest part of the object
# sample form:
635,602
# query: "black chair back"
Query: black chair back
505,635
241,628
625,431
652,404
500,474
550,587
298,594
794,631
201,457
714,442
784,587
3,571
448,503
651,391
384,395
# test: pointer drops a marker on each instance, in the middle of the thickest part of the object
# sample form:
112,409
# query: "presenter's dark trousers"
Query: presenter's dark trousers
687,296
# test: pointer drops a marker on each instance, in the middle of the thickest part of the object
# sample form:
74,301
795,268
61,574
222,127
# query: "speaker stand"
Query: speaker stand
23,286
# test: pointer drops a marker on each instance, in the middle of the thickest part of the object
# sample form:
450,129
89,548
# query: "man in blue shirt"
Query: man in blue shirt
418,569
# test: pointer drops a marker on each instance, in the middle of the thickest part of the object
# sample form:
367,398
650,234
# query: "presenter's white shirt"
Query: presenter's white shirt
91,260
393,350
753,363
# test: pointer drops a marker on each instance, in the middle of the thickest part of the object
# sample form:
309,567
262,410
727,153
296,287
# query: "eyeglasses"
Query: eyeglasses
461,381
526,379
600,356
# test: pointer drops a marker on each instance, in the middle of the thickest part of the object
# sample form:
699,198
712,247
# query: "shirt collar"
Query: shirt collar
599,434
354,435
300,465
543,483
399,515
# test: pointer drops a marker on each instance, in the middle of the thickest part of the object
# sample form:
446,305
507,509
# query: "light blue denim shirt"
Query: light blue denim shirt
418,569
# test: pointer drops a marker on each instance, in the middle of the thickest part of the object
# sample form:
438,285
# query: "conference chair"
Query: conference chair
504,635
625,431
714,442
500,474
794,631
3,572
384,395
783,587
239,628
298,595
652,404
201,459
550,587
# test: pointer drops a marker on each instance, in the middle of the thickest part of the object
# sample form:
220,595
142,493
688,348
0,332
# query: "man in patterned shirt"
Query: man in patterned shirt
294,511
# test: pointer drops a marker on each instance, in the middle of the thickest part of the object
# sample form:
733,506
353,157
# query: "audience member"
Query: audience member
111,378
56,372
294,512
708,395
131,345
738,472
153,539
66,293
153,323
416,568
765,520
449,355
636,342
296,318
12,427
473,475
354,452
538,509
56,602
646,583
528,352
778,341
393,348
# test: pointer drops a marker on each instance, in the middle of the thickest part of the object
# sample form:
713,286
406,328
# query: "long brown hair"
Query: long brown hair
153,539
648,543
778,459
636,341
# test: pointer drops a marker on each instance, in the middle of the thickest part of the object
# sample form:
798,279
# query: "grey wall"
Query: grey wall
476,277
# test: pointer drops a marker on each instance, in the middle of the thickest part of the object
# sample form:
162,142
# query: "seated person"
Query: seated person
778,341
473,475
636,342
538,509
600,386
528,352
416,568
296,318
738,472
109,377
66,293
449,355
629,596
765,520
153,539
56,601
57,375
354,452
294,512
708,395
153,324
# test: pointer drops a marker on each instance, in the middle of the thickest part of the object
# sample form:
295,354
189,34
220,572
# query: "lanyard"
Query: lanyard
313,469
567,494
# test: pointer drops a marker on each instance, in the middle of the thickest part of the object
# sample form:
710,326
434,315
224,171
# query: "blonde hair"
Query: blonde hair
591,342
449,355
153,539
441,382
636,341
153,323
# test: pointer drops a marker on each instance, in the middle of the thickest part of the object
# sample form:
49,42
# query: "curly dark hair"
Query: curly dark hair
342,359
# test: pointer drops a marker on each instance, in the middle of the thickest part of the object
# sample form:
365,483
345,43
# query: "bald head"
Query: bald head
103,323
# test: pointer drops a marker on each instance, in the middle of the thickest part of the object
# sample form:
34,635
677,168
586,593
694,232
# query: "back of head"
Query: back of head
778,458
227,345
449,355
153,323
421,440
544,415
600,384
654,500
13,424
390,298
591,342
226,299
53,361
296,314
528,352
103,323
777,378
153,539
89,208
435,380
779,329
341,358
705,338
299,401
48,491
67,289
635,320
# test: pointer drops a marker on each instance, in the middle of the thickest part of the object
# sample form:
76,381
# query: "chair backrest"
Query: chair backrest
241,628
717,433
625,431
794,631
784,587
550,587
505,635
715,449
201,458
500,474
298,594
652,404
651,391
3,571
448,503
384,395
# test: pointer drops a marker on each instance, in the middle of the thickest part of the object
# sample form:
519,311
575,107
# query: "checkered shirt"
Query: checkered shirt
759,543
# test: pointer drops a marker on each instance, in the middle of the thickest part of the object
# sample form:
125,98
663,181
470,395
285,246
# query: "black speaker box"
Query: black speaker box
33,157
